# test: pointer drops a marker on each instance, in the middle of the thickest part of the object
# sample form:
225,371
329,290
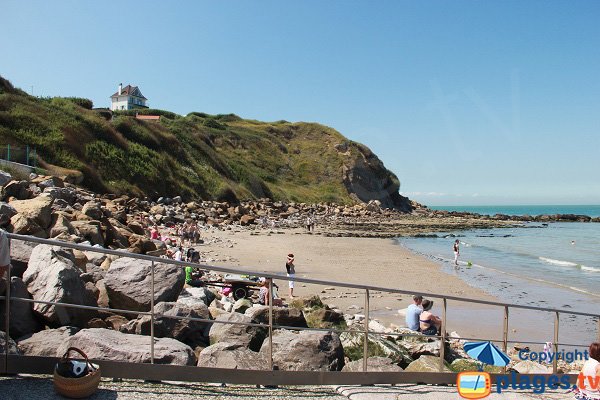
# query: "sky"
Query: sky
467,102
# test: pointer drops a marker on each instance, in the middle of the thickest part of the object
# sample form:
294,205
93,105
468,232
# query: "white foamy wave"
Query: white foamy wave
589,269
558,262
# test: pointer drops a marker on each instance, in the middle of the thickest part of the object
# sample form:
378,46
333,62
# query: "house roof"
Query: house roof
148,117
130,91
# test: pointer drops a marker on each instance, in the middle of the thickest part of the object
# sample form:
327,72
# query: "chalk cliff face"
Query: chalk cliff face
211,157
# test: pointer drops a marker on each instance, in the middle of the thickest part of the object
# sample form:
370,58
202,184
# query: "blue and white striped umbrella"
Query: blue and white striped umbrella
487,353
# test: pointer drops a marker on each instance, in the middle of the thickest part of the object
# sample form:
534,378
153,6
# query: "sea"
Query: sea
550,265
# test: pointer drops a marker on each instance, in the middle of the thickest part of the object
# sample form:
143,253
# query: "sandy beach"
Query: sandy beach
369,261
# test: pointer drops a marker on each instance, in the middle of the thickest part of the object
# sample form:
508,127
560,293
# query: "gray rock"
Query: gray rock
17,189
7,209
68,195
20,251
93,210
5,177
427,364
241,305
128,283
22,320
52,276
184,330
282,316
306,351
106,344
374,364
47,343
12,346
531,367
93,273
192,296
251,337
416,349
232,356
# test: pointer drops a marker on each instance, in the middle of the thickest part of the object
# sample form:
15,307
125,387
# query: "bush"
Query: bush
212,123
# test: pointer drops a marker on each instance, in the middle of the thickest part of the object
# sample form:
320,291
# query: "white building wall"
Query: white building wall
119,103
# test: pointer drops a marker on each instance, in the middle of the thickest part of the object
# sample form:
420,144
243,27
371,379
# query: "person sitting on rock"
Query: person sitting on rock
263,294
429,323
193,275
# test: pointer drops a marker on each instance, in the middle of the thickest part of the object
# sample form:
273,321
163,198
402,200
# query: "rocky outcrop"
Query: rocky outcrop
47,343
38,210
306,351
52,276
250,337
128,283
232,356
106,344
374,364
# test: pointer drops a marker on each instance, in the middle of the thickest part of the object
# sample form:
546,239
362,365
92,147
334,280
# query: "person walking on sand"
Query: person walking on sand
291,272
456,251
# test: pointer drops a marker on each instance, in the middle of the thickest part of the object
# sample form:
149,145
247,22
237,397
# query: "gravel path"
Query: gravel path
41,388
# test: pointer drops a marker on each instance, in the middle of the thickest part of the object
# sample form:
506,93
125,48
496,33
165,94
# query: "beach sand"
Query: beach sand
368,261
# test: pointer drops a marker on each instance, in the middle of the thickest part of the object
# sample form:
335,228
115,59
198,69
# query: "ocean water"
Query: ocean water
555,266
591,210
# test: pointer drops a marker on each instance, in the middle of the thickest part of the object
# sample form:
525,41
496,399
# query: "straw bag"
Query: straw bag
82,380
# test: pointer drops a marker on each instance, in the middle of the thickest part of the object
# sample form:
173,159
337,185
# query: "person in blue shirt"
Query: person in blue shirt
413,312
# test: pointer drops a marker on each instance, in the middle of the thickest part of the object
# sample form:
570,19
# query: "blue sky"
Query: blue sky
468,102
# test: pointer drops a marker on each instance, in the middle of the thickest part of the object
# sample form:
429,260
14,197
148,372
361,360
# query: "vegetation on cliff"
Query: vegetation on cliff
198,155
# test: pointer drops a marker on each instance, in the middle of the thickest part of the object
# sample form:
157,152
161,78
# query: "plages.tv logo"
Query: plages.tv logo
477,384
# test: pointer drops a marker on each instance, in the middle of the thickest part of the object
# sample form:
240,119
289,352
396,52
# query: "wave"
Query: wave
558,262
569,264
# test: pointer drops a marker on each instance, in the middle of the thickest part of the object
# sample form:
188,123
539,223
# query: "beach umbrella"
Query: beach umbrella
487,353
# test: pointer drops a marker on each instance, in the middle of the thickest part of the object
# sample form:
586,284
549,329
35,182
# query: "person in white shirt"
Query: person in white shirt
588,381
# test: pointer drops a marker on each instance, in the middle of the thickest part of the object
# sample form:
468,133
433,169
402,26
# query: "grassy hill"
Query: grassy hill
198,155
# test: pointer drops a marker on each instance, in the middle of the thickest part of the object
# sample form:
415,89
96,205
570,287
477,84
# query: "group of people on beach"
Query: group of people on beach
419,318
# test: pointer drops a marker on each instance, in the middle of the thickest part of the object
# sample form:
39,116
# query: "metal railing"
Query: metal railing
29,364
19,154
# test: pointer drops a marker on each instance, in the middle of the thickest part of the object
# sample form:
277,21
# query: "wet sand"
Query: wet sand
369,261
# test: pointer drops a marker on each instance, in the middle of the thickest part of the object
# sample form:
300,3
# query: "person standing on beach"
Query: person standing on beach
456,251
291,272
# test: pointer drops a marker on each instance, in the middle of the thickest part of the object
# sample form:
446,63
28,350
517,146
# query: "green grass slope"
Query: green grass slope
196,156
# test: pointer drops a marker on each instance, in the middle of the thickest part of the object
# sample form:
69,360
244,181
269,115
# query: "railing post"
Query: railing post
8,152
7,314
505,334
366,338
152,316
270,324
27,155
555,344
598,329
443,339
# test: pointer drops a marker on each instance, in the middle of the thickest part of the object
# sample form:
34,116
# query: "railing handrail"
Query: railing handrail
122,253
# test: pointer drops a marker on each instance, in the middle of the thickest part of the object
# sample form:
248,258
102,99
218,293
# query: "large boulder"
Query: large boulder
232,356
251,337
47,343
21,225
128,283
12,346
418,349
52,276
38,209
306,351
17,189
22,319
106,344
427,364
7,209
192,296
90,231
61,225
184,330
241,305
374,364
20,251
282,316
93,210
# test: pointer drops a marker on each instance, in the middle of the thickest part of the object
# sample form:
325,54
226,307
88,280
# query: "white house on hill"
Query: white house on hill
127,98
